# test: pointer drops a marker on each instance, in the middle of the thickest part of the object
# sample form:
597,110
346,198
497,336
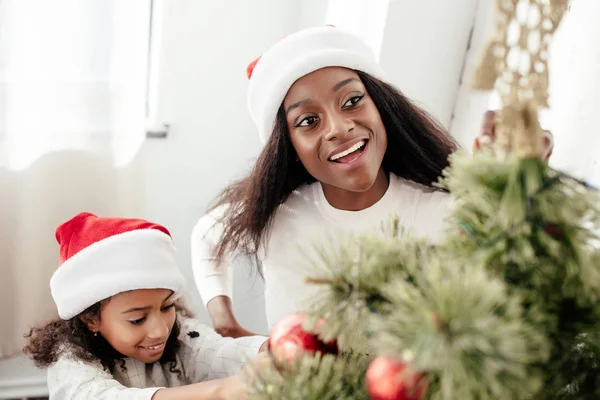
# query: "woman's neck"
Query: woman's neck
355,201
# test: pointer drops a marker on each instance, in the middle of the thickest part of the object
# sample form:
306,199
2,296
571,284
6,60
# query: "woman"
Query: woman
343,151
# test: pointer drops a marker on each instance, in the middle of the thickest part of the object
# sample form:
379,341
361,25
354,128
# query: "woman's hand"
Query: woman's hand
487,135
223,320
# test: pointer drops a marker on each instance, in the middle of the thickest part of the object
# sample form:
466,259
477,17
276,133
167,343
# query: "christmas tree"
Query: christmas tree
505,307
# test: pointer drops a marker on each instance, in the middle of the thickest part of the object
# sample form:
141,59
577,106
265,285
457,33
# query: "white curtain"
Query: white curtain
73,79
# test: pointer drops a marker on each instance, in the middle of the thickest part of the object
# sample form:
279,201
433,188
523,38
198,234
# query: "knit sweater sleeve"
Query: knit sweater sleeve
69,379
212,280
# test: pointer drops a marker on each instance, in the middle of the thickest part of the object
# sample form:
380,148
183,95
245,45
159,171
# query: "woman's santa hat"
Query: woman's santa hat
296,55
101,257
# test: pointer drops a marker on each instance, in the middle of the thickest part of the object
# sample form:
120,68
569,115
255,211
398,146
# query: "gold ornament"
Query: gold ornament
515,64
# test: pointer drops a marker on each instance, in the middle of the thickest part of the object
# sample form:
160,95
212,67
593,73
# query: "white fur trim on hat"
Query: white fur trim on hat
138,259
297,55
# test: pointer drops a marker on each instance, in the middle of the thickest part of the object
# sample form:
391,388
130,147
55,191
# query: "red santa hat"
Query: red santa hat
101,257
296,55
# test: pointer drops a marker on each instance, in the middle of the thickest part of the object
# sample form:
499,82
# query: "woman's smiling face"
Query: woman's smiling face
336,129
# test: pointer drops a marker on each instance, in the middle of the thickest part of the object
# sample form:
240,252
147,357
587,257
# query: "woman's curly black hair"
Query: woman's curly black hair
46,344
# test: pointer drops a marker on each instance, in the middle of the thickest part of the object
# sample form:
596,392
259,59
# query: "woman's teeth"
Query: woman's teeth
157,347
346,152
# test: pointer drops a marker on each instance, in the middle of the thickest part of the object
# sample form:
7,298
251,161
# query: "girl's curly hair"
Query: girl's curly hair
48,343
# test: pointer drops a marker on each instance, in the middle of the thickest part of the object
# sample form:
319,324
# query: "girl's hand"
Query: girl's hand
235,387
487,135
239,385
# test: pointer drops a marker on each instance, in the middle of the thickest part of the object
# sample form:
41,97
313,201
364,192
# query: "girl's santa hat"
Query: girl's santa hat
101,257
296,55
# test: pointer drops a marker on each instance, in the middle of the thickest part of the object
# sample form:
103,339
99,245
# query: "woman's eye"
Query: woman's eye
167,308
308,121
353,101
138,321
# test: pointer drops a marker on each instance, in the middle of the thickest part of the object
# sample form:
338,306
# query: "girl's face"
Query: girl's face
336,129
137,323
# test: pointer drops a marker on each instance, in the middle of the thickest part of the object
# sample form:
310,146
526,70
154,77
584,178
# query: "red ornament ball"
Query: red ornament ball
388,379
554,231
288,339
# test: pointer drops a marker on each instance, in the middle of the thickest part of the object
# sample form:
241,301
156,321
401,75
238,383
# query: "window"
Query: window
72,77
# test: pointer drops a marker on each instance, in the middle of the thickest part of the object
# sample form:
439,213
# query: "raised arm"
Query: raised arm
75,380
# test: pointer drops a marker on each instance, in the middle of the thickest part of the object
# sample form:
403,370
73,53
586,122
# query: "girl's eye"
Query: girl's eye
138,321
353,101
308,121
167,308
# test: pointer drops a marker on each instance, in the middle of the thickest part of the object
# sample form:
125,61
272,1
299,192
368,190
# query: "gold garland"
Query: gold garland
515,64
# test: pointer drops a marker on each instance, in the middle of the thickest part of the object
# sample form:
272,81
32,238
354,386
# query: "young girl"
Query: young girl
123,332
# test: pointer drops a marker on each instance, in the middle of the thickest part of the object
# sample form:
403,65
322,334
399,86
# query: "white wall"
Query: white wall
424,48
471,104
206,47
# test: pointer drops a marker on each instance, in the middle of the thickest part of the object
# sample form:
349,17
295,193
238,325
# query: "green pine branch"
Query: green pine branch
577,372
351,276
506,307
559,225
537,229
458,324
314,377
